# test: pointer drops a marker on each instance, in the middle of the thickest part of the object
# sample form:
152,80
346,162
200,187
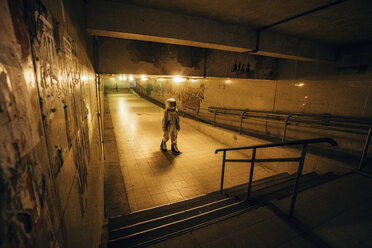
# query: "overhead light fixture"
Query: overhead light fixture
228,81
144,78
178,79
299,84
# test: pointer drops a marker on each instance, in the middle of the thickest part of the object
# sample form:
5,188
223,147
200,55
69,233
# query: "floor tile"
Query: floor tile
151,174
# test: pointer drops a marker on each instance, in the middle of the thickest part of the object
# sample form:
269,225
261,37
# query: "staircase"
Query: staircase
150,226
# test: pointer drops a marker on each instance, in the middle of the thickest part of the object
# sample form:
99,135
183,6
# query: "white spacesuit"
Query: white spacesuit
171,125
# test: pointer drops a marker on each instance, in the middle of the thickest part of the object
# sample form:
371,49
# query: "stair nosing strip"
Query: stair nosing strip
112,218
169,215
188,229
276,182
175,222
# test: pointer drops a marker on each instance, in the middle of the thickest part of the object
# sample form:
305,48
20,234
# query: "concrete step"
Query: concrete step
338,212
174,217
146,227
283,187
307,182
124,220
267,181
137,217
158,233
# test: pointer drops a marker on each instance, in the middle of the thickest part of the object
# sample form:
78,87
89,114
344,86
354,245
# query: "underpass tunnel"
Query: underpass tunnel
153,177
135,104
83,90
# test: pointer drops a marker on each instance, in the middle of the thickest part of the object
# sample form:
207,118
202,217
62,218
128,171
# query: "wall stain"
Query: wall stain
45,111
142,51
190,56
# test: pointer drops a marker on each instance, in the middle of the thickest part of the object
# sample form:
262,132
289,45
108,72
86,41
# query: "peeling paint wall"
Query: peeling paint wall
118,56
49,142
118,83
302,88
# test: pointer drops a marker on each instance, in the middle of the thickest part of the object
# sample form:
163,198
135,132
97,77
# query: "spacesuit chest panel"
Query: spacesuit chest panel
172,117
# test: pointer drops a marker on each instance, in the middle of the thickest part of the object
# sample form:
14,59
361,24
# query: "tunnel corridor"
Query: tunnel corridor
274,101
153,178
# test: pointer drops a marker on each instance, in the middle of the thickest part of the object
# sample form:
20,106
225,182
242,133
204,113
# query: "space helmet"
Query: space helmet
170,104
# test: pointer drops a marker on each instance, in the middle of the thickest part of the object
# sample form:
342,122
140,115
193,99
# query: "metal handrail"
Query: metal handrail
300,159
332,123
365,150
327,121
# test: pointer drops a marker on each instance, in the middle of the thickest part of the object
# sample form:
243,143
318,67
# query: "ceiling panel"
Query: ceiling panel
344,23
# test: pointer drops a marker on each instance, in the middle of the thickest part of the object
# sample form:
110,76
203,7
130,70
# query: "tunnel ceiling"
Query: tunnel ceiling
345,23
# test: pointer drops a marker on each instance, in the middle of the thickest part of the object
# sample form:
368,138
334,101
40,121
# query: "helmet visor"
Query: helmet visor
172,104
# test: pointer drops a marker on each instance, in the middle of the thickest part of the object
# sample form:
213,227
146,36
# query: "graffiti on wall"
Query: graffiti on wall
7,99
25,212
44,115
255,67
62,93
49,86
189,95
192,97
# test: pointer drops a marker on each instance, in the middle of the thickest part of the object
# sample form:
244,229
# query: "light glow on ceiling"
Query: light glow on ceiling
144,78
178,79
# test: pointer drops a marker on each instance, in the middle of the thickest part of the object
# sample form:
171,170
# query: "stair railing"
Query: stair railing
253,160
365,149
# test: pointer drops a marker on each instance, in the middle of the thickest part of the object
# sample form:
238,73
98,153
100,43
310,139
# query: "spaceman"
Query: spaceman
171,125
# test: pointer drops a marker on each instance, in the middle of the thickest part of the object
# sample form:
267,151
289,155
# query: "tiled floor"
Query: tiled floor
153,178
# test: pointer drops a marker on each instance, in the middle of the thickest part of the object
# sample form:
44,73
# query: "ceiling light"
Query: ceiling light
178,79
143,78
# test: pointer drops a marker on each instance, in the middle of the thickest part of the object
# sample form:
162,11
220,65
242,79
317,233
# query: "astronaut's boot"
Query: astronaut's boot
163,146
175,149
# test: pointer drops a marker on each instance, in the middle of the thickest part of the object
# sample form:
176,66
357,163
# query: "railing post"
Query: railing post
251,174
365,150
241,122
298,179
285,127
214,119
223,171
197,114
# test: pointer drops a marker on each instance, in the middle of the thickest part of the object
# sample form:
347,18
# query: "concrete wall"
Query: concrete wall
118,83
301,87
119,19
313,162
51,173
119,56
